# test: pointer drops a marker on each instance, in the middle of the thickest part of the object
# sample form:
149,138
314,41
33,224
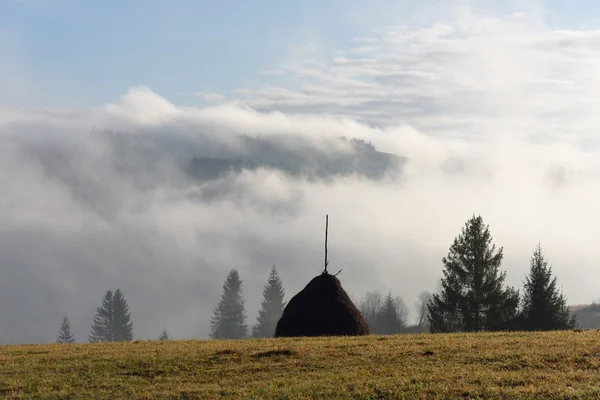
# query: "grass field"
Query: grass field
556,365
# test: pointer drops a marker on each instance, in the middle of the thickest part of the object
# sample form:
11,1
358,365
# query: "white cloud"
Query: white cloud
468,75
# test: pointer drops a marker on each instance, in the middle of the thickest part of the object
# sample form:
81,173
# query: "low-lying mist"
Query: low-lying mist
84,210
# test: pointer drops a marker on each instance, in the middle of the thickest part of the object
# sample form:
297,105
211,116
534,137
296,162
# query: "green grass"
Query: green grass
555,365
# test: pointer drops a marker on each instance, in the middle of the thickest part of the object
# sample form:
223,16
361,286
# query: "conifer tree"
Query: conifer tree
544,308
229,319
390,319
164,335
473,297
112,321
271,307
123,327
103,320
64,333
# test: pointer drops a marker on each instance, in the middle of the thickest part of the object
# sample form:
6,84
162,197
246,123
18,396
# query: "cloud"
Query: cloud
496,115
469,74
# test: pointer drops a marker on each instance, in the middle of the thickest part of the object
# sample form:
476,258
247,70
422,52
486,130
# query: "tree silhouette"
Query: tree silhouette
229,317
391,318
64,332
369,307
271,307
123,327
422,311
164,335
544,308
473,297
112,321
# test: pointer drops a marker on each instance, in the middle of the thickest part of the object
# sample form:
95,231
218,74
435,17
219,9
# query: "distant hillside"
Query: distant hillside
362,159
206,157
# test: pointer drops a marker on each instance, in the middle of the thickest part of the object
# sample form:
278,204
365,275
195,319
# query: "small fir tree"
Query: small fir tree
544,308
64,333
164,335
271,307
229,318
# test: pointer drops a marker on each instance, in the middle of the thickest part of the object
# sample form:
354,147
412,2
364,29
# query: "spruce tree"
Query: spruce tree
271,307
229,319
472,297
103,320
544,308
64,333
390,319
164,335
123,327
112,322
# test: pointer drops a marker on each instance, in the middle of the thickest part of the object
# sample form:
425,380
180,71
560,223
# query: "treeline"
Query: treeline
111,323
472,297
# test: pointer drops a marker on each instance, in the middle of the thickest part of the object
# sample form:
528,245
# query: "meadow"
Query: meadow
552,365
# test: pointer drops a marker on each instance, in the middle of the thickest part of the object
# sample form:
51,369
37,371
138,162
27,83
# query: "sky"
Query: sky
494,106
91,52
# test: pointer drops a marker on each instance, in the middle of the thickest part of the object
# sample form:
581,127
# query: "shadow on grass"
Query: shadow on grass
275,353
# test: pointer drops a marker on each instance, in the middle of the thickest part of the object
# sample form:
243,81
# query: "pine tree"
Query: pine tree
390,319
164,335
271,308
112,322
123,327
544,308
229,319
103,320
473,298
64,333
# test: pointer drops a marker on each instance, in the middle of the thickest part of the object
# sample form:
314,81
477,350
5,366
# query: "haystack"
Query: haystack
322,308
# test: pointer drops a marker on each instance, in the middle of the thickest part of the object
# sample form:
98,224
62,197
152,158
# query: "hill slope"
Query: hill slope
500,365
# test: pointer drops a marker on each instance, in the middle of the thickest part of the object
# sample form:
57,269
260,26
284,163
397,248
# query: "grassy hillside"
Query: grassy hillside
558,365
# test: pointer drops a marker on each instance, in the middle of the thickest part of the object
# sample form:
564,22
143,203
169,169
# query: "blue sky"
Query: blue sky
90,52
93,51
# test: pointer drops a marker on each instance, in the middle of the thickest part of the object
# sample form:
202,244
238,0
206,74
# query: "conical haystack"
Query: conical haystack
322,308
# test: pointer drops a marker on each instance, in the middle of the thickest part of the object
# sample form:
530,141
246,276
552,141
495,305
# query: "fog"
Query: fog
494,116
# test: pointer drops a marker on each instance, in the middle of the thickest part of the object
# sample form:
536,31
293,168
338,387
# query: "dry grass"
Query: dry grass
556,365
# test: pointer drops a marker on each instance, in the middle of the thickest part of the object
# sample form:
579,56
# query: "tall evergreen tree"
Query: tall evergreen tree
112,321
544,308
229,319
473,297
271,308
123,327
390,319
103,320
64,333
